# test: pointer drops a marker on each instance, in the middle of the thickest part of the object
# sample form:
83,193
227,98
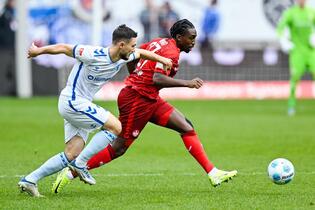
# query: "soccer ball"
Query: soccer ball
281,171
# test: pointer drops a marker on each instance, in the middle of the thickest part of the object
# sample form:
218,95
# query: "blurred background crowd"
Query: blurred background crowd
236,39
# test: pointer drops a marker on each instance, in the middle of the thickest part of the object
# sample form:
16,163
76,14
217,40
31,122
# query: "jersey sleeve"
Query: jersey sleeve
87,53
284,22
132,57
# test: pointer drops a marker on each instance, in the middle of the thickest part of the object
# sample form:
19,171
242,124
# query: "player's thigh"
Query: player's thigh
162,113
112,124
134,112
71,131
167,116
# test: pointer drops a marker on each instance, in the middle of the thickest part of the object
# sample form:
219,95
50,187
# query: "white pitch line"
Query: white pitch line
163,174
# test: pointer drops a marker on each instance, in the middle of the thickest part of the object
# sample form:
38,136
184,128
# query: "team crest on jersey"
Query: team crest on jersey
135,133
81,51
274,9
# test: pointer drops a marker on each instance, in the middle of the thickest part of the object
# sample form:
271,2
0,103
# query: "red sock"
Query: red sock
104,156
194,146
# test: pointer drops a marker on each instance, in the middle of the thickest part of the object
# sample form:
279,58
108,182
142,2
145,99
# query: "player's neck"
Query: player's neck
114,53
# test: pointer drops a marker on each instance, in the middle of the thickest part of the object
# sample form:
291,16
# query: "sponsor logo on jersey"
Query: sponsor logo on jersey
97,79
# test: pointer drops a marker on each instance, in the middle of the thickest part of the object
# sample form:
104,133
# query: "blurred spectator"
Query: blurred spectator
7,43
7,26
148,19
167,17
210,24
71,23
83,10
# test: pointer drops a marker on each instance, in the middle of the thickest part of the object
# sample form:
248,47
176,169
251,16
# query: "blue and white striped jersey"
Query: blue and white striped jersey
91,71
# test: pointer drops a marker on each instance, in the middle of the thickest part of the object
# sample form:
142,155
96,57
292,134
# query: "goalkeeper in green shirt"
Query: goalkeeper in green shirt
295,30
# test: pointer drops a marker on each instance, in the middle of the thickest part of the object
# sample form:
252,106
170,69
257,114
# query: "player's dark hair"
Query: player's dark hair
123,32
180,27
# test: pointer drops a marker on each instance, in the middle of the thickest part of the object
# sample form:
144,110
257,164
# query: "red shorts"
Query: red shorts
135,111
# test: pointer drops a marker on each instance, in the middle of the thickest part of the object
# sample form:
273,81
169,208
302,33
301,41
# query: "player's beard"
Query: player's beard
187,50
124,56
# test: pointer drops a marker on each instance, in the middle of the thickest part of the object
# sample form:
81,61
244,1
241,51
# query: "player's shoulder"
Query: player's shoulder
291,9
169,47
163,46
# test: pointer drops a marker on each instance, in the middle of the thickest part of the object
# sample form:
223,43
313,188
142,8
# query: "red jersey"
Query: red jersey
142,78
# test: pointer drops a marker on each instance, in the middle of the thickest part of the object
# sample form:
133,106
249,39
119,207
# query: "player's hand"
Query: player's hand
167,64
286,45
195,83
33,51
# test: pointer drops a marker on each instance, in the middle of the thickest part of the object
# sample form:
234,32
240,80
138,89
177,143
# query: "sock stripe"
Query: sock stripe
110,136
64,159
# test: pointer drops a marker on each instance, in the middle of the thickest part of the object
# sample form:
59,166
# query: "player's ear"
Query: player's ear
121,44
178,37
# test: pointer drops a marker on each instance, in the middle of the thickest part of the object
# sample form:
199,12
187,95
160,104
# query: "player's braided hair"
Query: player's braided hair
180,27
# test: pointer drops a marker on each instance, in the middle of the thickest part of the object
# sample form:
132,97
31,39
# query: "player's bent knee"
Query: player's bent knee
115,129
186,127
113,125
118,128
71,155
189,122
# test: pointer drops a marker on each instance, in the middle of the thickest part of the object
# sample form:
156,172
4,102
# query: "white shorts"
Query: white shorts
81,116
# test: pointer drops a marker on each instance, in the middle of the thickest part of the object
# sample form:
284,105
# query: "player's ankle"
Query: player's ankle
213,171
71,174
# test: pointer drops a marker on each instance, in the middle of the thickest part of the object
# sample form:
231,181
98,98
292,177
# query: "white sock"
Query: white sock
51,166
99,141
69,175
213,171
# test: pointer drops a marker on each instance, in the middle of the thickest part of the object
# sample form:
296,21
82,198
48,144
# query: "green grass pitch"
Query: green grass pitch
157,172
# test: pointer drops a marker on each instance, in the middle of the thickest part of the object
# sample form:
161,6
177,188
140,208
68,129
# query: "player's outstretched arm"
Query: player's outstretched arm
162,80
283,23
148,55
34,51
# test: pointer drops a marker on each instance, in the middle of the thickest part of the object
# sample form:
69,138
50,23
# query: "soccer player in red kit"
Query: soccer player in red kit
139,103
